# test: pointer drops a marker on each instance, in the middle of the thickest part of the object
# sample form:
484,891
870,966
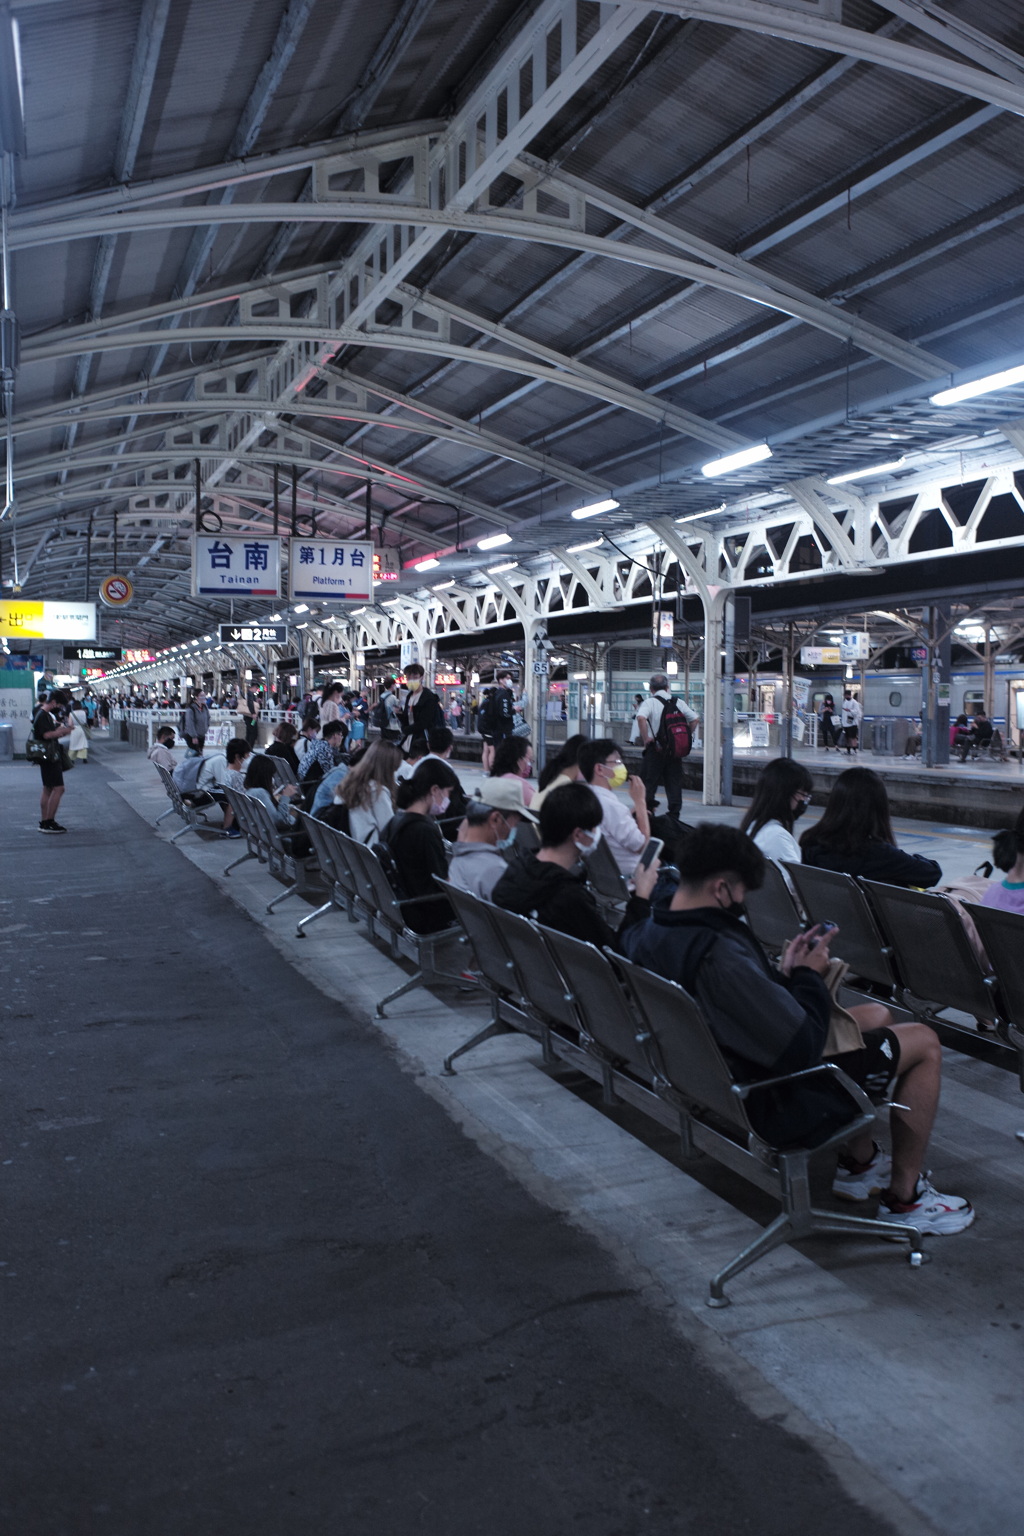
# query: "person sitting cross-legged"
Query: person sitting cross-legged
488,827
552,885
770,1022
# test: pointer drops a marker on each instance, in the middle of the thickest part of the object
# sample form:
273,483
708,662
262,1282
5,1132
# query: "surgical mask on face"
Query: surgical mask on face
414,684
618,777
586,842
440,806
504,843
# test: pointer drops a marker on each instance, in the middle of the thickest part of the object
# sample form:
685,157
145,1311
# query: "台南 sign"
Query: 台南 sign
224,565
92,653
253,634
330,569
47,621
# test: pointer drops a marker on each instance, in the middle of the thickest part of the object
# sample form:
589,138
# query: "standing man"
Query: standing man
421,713
501,716
49,726
196,720
851,716
252,715
662,763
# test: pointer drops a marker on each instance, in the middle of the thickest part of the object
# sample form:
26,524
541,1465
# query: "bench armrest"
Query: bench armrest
856,1092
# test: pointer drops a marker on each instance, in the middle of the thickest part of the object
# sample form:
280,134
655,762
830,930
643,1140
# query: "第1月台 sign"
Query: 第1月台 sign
20,620
224,565
116,591
330,569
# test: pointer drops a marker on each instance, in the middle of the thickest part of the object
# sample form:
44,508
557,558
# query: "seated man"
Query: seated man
225,770
552,885
626,832
321,753
160,752
489,826
419,748
770,1022
981,732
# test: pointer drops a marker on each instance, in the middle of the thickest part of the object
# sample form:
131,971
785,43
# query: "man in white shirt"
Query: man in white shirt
626,832
851,715
660,763
225,770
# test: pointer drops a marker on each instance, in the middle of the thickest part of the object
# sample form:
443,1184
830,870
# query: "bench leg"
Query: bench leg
188,827
407,986
169,812
235,862
868,1226
495,1028
291,891
780,1231
311,917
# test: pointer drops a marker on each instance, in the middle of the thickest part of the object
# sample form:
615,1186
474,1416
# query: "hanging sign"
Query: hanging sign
855,646
224,565
332,570
820,655
116,591
253,634
385,565
47,621
92,653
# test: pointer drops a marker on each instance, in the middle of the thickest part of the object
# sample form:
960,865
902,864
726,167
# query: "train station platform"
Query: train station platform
266,1270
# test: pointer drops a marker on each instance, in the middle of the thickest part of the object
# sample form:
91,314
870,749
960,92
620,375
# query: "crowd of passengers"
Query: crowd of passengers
526,849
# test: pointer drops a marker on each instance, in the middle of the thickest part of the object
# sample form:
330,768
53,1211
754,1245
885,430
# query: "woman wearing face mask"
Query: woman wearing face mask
416,844
551,885
782,795
513,759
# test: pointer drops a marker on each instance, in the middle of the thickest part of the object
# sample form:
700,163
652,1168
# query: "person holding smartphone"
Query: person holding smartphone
51,725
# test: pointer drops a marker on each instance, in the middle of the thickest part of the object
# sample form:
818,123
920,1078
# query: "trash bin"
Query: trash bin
6,742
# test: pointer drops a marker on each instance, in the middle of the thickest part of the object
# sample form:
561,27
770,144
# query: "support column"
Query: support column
536,650
714,639
728,696
935,724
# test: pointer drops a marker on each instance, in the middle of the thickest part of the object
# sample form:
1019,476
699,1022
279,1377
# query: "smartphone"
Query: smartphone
651,852
826,928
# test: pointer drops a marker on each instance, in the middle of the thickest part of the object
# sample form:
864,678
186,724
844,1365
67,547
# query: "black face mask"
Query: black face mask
734,908
799,809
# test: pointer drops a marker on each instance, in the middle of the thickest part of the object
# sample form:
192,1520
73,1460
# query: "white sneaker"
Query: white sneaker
929,1211
854,1181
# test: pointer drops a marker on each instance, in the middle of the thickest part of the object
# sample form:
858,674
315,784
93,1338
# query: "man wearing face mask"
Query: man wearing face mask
487,832
772,1021
417,846
625,830
421,713
552,884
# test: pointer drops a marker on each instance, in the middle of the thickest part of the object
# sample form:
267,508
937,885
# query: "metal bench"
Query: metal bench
772,912
249,827
193,816
1002,935
689,1070
300,874
326,842
830,897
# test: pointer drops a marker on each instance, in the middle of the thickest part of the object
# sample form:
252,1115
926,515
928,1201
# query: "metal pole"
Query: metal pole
712,793
787,724
728,697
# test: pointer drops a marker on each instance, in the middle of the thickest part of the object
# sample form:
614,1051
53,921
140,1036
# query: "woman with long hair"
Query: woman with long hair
829,734
1008,855
855,835
330,709
782,794
563,766
283,745
262,784
513,759
368,791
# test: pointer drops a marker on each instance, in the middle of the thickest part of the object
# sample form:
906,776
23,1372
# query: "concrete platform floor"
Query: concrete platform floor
267,1272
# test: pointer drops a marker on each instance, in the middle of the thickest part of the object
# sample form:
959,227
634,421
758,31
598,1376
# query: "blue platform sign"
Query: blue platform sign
332,570
226,565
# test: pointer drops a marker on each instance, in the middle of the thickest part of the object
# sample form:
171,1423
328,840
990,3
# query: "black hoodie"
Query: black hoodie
561,899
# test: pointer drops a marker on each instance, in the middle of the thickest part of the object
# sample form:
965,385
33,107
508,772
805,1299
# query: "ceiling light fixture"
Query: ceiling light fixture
496,570
985,386
301,607
738,460
430,564
692,517
594,509
865,474
576,549
494,541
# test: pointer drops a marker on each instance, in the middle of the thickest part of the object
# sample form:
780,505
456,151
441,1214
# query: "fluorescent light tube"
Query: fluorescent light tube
595,508
865,474
738,460
429,564
575,549
495,541
985,386
496,570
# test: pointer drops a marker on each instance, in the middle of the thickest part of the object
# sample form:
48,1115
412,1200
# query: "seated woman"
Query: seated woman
283,744
513,759
782,794
1008,855
261,784
367,793
855,835
563,769
417,846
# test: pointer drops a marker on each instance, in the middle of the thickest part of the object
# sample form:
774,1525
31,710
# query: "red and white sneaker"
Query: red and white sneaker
929,1211
859,1181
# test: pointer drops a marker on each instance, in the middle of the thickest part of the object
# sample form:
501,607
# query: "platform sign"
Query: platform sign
225,565
254,634
94,653
21,620
332,570
855,646
820,655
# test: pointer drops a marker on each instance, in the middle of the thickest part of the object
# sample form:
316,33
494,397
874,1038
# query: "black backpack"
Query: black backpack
379,714
311,714
674,736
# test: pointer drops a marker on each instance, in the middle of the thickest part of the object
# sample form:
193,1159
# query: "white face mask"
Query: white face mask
586,842
440,806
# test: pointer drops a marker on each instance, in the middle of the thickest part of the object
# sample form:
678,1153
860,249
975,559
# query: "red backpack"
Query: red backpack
674,736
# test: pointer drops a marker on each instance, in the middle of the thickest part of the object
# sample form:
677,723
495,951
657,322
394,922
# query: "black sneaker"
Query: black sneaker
55,826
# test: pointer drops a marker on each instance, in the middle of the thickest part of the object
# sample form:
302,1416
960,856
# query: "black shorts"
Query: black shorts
875,1065
53,775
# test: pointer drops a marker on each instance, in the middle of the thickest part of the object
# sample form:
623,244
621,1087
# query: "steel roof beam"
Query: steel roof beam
960,37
